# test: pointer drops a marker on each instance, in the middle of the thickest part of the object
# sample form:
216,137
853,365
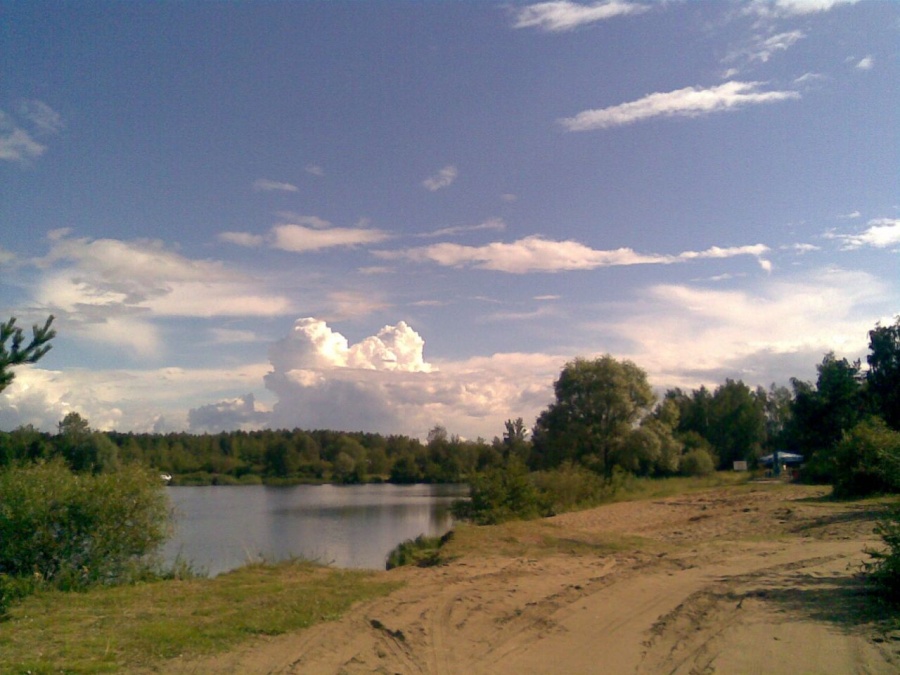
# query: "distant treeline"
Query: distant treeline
272,456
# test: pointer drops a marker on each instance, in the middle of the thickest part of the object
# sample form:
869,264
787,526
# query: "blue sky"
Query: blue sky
390,215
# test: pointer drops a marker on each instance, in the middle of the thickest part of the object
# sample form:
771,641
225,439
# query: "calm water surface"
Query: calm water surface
219,528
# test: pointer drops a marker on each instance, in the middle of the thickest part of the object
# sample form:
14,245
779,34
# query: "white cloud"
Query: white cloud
787,8
866,63
765,48
490,224
443,178
314,170
687,102
242,239
266,185
850,216
563,15
229,414
536,254
123,286
778,329
881,233
298,238
384,384
138,400
44,118
16,144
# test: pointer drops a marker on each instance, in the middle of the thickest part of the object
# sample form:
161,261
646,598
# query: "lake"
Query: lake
219,528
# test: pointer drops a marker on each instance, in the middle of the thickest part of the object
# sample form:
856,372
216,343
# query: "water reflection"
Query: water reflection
219,528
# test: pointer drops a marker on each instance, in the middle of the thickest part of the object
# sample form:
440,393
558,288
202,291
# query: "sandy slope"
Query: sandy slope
723,581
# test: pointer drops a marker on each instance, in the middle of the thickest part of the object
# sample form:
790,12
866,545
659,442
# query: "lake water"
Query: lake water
219,528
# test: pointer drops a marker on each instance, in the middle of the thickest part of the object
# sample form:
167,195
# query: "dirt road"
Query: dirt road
725,581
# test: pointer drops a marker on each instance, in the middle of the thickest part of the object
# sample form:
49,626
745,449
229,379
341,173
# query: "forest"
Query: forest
605,417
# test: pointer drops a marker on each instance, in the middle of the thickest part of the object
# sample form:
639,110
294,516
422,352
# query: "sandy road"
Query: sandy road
721,582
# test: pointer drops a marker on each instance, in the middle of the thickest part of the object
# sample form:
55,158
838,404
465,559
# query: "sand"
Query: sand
722,581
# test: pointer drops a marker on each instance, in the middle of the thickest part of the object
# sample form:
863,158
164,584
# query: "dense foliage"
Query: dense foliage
76,529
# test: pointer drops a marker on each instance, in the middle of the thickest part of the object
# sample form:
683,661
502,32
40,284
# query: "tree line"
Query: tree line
604,417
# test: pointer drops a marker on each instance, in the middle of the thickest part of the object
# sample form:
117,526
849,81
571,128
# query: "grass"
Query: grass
116,629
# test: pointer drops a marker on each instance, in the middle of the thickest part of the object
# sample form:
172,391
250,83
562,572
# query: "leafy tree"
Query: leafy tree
598,402
73,529
17,353
515,439
737,427
883,377
821,414
84,449
867,460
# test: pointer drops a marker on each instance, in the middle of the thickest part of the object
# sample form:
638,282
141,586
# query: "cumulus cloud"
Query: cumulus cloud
384,384
563,15
266,185
443,178
881,233
138,400
536,254
227,415
687,102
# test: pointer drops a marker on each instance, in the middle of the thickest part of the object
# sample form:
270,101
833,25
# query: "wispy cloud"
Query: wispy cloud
788,8
763,48
299,239
44,118
536,254
563,15
310,233
314,170
266,185
443,178
18,143
490,224
687,102
881,233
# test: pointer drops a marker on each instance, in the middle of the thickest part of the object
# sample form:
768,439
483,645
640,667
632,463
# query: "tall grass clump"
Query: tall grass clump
73,530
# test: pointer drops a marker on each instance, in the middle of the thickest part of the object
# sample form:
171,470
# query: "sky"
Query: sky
384,216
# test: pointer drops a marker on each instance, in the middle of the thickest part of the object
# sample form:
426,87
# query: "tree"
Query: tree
737,425
883,377
16,354
598,403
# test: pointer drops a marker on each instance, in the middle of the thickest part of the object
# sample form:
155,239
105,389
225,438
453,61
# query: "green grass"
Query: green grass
114,629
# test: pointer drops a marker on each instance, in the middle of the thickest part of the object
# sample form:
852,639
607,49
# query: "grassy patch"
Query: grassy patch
115,629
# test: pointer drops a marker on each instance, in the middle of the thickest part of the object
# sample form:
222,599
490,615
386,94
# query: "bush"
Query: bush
422,551
501,494
696,462
867,460
74,530
570,487
884,567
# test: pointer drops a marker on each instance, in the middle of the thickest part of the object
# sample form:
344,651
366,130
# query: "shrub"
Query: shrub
422,551
569,487
867,460
74,530
884,567
501,494
696,462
